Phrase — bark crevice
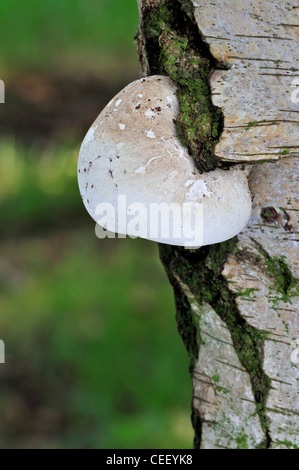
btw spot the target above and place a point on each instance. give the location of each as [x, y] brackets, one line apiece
[174, 47]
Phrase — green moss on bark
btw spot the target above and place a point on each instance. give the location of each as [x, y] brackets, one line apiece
[285, 286]
[174, 48]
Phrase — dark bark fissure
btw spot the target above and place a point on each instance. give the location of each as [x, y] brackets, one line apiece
[175, 48]
[201, 271]
[170, 44]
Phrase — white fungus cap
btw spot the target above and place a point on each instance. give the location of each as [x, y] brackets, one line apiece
[136, 177]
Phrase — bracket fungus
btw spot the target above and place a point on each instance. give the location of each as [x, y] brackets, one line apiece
[137, 178]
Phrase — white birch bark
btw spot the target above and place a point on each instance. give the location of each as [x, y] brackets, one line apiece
[259, 40]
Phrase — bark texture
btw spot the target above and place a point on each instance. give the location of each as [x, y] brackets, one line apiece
[237, 302]
[258, 41]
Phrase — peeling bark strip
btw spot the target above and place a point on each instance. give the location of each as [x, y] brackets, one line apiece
[264, 276]
[237, 302]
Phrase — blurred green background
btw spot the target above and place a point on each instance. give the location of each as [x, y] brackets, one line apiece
[93, 358]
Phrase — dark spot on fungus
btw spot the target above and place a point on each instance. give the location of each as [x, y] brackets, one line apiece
[84, 170]
[91, 186]
[88, 201]
[158, 108]
[86, 185]
[138, 106]
[90, 164]
[117, 156]
[111, 174]
[79, 170]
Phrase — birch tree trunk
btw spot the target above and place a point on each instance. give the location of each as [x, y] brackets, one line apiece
[236, 64]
